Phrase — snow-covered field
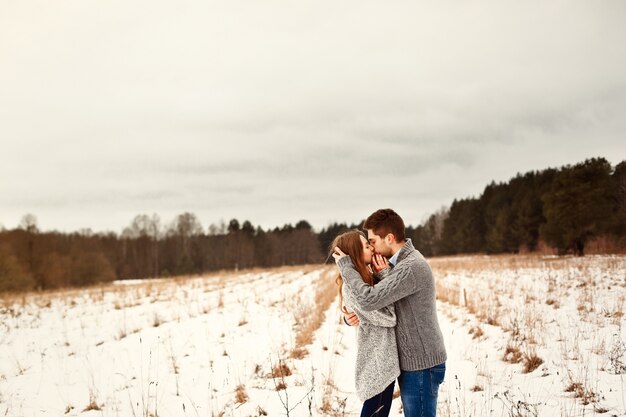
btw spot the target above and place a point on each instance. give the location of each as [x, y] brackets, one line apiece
[533, 336]
[271, 343]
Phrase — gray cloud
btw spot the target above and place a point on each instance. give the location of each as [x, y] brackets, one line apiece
[276, 112]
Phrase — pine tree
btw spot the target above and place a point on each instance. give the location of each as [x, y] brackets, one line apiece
[618, 180]
[463, 230]
[578, 205]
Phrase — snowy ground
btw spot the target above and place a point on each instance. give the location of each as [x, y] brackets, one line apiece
[271, 343]
[564, 315]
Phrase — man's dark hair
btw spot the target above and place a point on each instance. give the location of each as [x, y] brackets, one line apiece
[385, 221]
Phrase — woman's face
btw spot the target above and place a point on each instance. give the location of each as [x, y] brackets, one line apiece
[368, 251]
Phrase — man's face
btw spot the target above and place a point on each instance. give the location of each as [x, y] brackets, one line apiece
[380, 245]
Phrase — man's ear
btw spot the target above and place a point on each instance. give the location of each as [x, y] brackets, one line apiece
[390, 238]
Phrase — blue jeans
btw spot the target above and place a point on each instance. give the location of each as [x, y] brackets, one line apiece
[380, 404]
[419, 390]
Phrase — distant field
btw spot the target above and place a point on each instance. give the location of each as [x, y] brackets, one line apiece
[526, 336]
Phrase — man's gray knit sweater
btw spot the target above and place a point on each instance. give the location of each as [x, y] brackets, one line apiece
[411, 287]
[377, 363]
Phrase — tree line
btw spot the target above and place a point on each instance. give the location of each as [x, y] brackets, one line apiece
[30, 258]
[561, 208]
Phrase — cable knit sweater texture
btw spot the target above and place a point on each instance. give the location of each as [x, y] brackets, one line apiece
[410, 286]
[377, 363]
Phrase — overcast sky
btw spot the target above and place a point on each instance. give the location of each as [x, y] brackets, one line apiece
[277, 111]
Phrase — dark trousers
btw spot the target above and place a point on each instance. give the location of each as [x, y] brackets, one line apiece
[380, 404]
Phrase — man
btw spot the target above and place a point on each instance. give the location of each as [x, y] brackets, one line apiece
[407, 282]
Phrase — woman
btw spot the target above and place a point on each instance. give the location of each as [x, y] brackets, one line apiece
[377, 364]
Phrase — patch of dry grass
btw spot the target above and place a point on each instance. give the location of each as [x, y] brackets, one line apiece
[476, 332]
[241, 396]
[307, 322]
[531, 362]
[512, 354]
[586, 395]
[93, 404]
[280, 371]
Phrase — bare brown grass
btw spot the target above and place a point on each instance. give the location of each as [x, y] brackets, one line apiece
[281, 370]
[531, 362]
[512, 354]
[586, 395]
[476, 332]
[241, 396]
[308, 323]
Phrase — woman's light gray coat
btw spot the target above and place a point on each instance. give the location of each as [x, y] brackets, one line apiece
[377, 363]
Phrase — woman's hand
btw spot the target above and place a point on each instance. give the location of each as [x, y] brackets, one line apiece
[379, 262]
[350, 317]
[338, 253]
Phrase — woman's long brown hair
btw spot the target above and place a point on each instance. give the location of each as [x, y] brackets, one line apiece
[350, 243]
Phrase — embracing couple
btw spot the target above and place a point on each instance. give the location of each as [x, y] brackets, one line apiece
[387, 290]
